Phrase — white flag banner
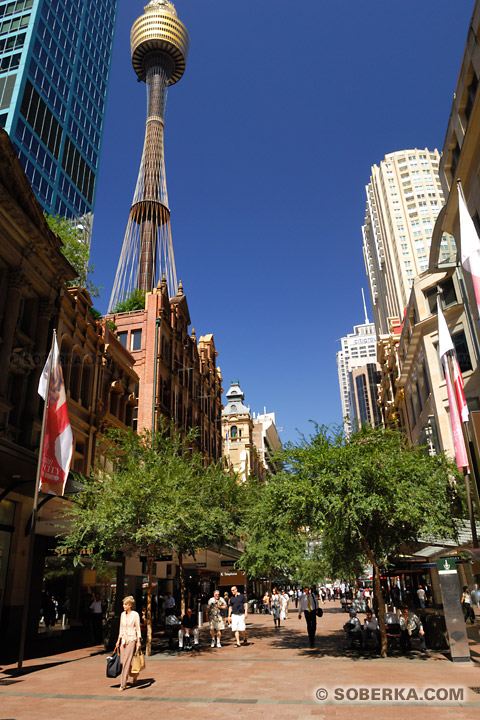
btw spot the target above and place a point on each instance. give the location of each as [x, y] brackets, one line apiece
[444, 338]
[469, 245]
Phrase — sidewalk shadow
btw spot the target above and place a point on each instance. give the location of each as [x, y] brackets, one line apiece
[334, 645]
[27, 669]
[143, 683]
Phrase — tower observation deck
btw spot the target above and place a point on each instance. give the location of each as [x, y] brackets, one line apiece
[159, 45]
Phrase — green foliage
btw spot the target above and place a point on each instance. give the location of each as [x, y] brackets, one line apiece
[135, 301]
[369, 494]
[96, 314]
[76, 251]
[159, 495]
[362, 497]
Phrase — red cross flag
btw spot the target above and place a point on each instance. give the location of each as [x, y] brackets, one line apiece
[58, 437]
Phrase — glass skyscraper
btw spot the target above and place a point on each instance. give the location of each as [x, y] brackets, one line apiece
[54, 67]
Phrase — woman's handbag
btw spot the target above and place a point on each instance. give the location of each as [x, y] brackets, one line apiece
[319, 612]
[138, 662]
[114, 666]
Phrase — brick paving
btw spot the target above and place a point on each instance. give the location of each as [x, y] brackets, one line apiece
[276, 673]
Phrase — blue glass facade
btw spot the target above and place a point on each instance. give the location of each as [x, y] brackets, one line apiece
[54, 68]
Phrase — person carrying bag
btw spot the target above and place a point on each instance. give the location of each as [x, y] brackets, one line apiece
[129, 641]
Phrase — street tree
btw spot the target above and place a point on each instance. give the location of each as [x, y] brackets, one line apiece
[364, 497]
[155, 493]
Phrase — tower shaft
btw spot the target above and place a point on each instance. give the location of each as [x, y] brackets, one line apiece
[152, 209]
[159, 49]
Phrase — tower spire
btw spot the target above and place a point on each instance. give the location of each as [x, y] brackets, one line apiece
[159, 46]
[365, 308]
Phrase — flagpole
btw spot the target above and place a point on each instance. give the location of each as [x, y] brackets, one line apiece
[466, 471]
[28, 579]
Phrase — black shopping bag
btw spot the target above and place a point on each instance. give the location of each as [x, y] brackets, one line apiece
[114, 666]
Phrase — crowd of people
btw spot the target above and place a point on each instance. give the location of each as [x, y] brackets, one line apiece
[231, 610]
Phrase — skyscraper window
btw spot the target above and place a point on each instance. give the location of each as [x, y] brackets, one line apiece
[54, 109]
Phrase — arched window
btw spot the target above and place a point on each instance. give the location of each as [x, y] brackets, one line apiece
[86, 382]
[233, 432]
[65, 359]
[76, 375]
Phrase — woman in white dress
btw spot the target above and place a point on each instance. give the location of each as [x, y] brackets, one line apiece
[129, 639]
[284, 599]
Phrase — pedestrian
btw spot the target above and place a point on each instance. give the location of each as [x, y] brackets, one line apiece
[366, 595]
[467, 606]
[298, 595]
[96, 610]
[237, 615]
[284, 600]
[169, 604]
[421, 596]
[410, 626]
[215, 606]
[476, 595]
[266, 603]
[308, 605]
[275, 607]
[129, 639]
[188, 627]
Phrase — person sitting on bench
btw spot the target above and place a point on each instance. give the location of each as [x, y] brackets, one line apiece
[371, 630]
[188, 625]
[353, 630]
[392, 622]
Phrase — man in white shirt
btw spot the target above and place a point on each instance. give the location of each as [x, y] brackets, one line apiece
[371, 630]
[421, 596]
[308, 605]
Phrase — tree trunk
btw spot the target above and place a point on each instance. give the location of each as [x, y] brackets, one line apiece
[380, 601]
[150, 561]
[183, 590]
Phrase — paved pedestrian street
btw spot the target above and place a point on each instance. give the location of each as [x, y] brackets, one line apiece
[275, 674]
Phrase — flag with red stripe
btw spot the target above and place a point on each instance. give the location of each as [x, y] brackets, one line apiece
[57, 448]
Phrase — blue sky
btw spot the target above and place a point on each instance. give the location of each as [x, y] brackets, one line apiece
[270, 136]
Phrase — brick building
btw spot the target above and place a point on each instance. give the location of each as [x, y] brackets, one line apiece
[178, 375]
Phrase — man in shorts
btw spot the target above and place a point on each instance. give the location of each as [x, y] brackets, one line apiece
[215, 606]
[237, 615]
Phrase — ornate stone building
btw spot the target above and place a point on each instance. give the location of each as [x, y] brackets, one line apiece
[237, 428]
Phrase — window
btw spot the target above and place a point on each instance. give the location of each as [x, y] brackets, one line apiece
[136, 340]
[448, 293]
[233, 432]
[122, 338]
[461, 348]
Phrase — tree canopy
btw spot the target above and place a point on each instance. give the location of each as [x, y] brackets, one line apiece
[156, 493]
[363, 497]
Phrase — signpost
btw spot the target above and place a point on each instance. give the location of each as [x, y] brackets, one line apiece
[454, 620]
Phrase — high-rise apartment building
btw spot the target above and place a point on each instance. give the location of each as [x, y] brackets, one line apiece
[54, 67]
[404, 197]
[358, 349]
